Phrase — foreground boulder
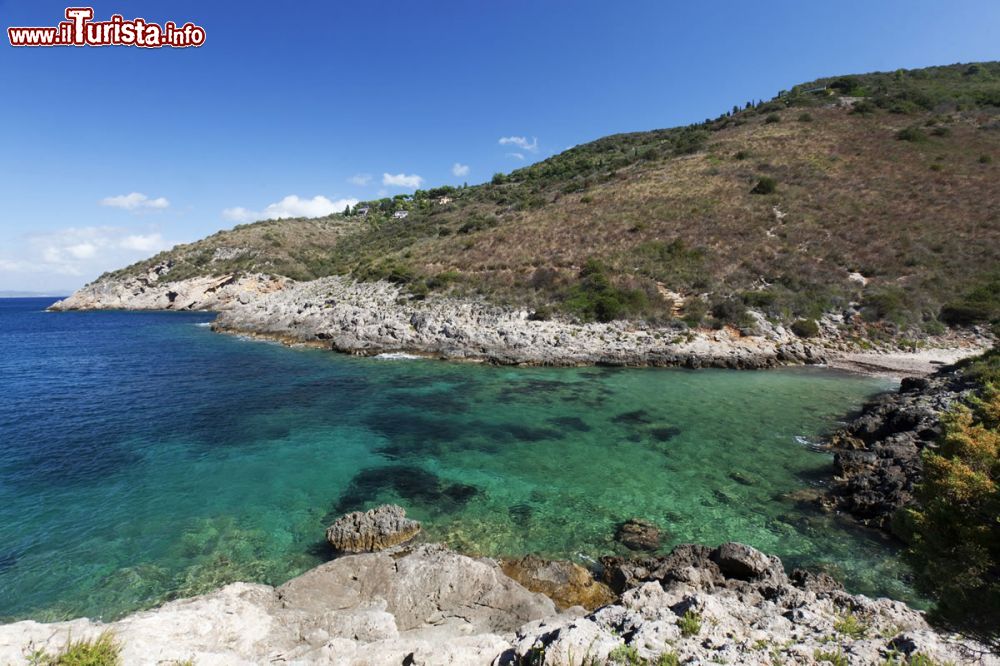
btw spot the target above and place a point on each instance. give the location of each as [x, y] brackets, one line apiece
[426, 606]
[566, 583]
[371, 531]
[429, 606]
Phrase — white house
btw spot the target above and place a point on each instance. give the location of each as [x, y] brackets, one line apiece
[361, 211]
[401, 214]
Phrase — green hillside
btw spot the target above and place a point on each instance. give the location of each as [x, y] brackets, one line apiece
[881, 190]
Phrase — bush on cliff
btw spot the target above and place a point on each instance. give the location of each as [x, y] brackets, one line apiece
[765, 185]
[596, 298]
[805, 328]
[955, 530]
[981, 305]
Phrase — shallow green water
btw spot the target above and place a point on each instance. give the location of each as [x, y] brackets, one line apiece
[168, 460]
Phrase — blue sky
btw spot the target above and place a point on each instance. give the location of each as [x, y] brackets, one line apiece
[291, 101]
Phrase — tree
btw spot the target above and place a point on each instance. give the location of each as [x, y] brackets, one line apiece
[954, 532]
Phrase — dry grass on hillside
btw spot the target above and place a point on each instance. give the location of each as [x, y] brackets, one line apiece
[903, 187]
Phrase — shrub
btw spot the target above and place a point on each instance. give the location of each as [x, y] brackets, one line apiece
[805, 328]
[850, 625]
[541, 313]
[741, 155]
[759, 299]
[941, 131]
[954, 534]
[765, 185]
[981, 305]
[885, 304]
[596, 298]
[667, 659]
[912, 134]
[695, 310]
[837, 658]
[805, 118]
[689, 141]
[443, 279]
[732, 311]
[863, 107]
[845, 85]
[105, 650]
[690, 624]
[772, 118]
[985, 159]
[625, 655]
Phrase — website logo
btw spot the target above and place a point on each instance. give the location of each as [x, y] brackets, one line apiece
[79, 29]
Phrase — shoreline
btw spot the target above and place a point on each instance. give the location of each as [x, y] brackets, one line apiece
[896, 365]
[367, 319]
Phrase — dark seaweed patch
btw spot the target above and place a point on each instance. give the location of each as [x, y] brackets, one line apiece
[572, 423]
[665, 434]
[449, 403]
[533, 388]
[516, 432]
[638, 417]
[521, 514]
[8, 560]
[412, 484]
[459, 492]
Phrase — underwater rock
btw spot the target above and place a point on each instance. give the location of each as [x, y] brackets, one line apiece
[371, 531]
[638, 534]
[741, 478]
[566, 583]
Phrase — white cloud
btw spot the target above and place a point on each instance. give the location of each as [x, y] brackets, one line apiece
[78, 252]
[135, 201]
[82, 250]
[143, 243]
[460, 170]
[516, 156]
[360, 179]
[290, 206]
[239, 214]
[521, 142]
[402, 180]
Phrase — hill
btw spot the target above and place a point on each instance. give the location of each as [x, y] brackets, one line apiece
[876, 196]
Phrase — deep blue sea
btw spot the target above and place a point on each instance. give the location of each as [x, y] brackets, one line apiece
[143, 458]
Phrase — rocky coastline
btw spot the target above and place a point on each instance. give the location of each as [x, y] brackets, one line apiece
[420, 603]
[877, 455]
[370, 318]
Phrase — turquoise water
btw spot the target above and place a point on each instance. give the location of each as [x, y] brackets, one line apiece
[143, 457]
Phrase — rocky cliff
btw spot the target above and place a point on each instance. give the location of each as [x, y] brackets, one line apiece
[378, 317]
